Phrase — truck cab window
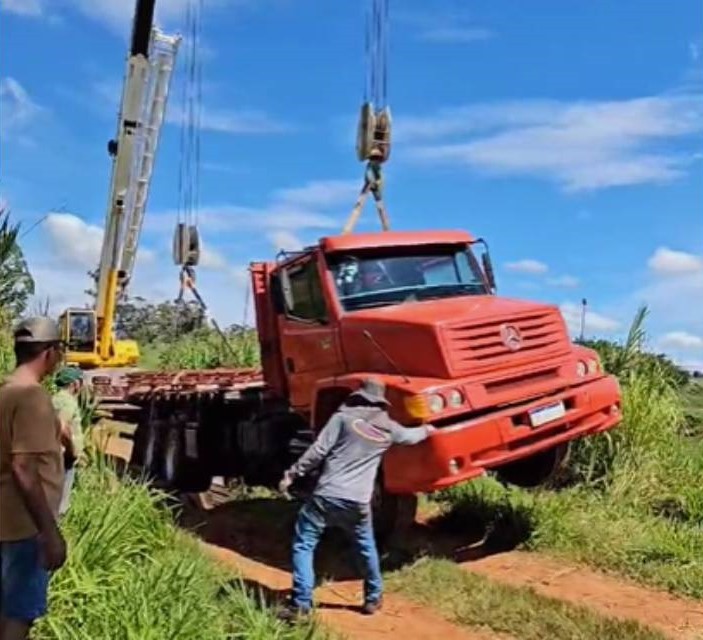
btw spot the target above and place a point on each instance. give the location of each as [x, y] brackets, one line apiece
[415, 274]
[307, 299]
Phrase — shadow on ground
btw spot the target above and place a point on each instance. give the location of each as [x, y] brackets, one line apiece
[261, 529]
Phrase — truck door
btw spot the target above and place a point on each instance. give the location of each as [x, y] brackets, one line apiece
[309, 340]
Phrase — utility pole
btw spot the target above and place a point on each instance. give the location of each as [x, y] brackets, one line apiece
[584, 305]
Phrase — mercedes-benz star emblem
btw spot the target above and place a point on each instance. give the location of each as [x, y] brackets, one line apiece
[511, 337]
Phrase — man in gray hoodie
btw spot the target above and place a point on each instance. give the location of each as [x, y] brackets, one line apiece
[349, 449]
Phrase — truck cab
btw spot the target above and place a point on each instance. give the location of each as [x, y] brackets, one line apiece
[498, 377]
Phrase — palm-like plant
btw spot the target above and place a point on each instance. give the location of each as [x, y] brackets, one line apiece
[16, 283]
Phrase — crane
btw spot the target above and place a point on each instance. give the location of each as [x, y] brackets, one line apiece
[90, 333]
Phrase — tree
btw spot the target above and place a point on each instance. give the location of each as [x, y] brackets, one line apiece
[16, 283]
[163, 322]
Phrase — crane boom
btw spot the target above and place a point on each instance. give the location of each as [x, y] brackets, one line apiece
[122, 148]
[149, 67]
[164, 49]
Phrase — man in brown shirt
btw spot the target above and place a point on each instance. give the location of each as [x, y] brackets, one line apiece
[31, 480]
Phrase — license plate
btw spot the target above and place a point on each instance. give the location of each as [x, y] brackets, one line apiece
[538, 417]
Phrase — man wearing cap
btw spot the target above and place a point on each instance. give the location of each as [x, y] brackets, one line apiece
[349, 450]
[68, 380]
[31, 480]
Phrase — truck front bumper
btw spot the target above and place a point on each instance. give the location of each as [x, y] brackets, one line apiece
[467, 449]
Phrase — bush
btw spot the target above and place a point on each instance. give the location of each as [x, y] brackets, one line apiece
[206, 349]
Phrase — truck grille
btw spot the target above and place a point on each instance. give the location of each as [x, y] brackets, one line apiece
[480, 345]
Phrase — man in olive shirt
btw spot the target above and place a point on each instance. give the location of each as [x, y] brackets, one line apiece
[31, 480]
[68, 381]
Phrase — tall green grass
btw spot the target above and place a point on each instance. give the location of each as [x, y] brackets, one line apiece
[206, 349]
[132, 575]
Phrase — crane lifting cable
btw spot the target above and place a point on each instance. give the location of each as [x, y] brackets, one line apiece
[186, 239]
[373, 141]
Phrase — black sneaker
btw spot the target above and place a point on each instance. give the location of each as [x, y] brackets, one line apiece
[370, 608]
[292, 614]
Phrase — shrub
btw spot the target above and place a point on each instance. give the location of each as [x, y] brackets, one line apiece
[206, 349]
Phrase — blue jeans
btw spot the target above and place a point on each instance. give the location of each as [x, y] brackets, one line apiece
[355, 519]
[23, 581]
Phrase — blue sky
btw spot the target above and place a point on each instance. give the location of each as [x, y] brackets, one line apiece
[569, 134]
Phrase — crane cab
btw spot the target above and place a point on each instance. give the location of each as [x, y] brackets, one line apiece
[79, 331]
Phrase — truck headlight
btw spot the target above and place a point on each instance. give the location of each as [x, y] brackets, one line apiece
[455, 399]
[435, 402]
[593, 366]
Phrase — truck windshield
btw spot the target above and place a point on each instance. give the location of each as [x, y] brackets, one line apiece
[372, 280]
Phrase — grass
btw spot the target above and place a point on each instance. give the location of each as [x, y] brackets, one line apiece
[692, 401]
[204, 349]
[132, 575]
[473, 601]
[636, 508]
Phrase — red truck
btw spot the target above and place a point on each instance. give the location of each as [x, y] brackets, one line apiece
[499, 378]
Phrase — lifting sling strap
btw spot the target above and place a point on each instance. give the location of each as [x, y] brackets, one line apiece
[373, 183]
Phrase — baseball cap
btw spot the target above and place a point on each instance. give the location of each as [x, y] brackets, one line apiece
[39, 329]
[372, 390]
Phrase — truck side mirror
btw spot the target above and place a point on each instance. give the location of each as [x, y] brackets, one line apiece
[488, 270]
[286, 289]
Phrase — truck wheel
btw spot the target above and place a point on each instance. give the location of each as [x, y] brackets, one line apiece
[539, 470]
[180, 473]
[392, 513]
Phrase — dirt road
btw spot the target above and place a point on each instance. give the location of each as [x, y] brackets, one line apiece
[252, 535]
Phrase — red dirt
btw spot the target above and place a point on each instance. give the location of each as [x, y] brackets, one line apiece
[260, 529]
[614, 597]
[336, 602]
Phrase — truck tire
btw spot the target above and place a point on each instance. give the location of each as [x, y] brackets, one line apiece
[392, 513]
[180, 473]
[146, 456]
[539, 470]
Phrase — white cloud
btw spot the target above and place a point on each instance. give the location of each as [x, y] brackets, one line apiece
[213, 119]
[31, 8]
[320, 193]
[116, 15]
[534, 267]
[565, 281]
[226, 217]
[666, 261]
[681, 340]
[234, 122]
[579, 145]
[286, 240]
[77, 243]
[595, 322]
[290, 209]
[444, 26]
[18, 109]
[212, 259]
